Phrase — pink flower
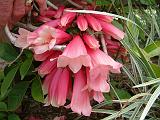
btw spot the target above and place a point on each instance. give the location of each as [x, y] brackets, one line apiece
[80, 102]
[43, 19]
[43, 56]
[21, 41]
[101, 65]
[93, 23]
[91, 41]
[47, 81]
[45, 37]
[75, 55]
[50, 13]
[82, 23]
[42, 5]
[59, 12]
[34, 118]
[48, 65]
[98, 96]
[53, 23]
[104, 18]
[60, 118]
[109, 29]
[58, 88]
[67, 18]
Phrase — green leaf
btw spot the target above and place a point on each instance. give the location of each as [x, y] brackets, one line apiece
[13, 117]
[3, 106]
[8, 80]
[16, 95]
[153, 49]
[7, 52]
[2, 115]
[150, 103]
[25, 67]
[147, 2]
[37, 92]
[156, 69]
[1, 75]
[123, 94]
[123, 111]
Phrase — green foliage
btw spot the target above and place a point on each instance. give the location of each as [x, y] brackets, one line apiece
[8, 79]
[25, 67]
[7, 52]
[16, 95]
[13, 117]
[37, 92]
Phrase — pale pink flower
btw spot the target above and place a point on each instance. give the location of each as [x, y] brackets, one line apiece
[60, 118]
[47, 81]
[48, 65]
[97, 79]
[82, 23]
[110, 29]
[43, 56]
[75, 55]
[91, 41]
[105, 18]
[101, 65]
[98, 96]
[21, 40]
[80, 102]
[58, 88]
[93, 22]
[45, 38]
[67, 18]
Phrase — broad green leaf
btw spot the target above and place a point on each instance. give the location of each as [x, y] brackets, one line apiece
[25, 67]
[16, 95]
[2, 115]
[13, 117]
[3, 106]
[8, 80]
[1, 75]
[7, 52]
[37, 92]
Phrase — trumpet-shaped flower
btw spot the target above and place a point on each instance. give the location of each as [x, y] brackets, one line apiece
[101, 65]
[91, 41]
[45, 38]
[104, 18]
[110, 29]
[75, 55]
[21, 40]
[48, 65]
[80, 102]
[93, 23]
[67, 18]
[82, 23]
[58, 88]
[43, 56]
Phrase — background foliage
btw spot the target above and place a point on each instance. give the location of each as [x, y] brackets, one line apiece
[135, 95]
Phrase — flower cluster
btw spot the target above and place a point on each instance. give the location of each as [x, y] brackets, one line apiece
[80, 72]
